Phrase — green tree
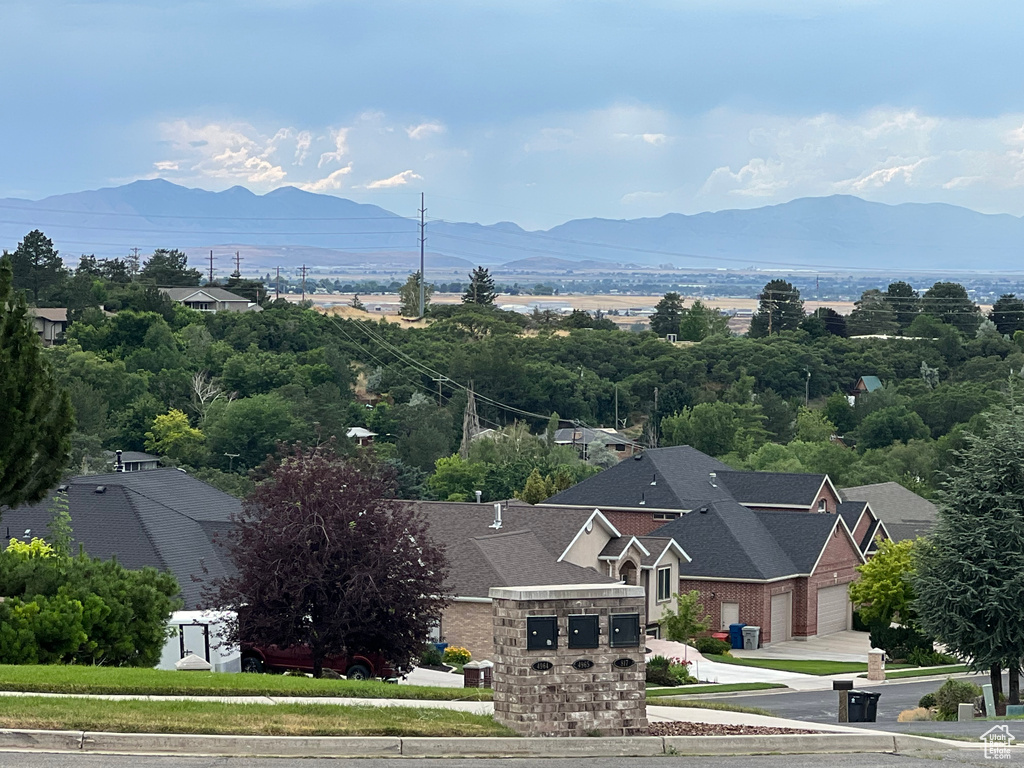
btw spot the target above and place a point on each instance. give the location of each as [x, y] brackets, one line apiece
[831, 321]
[35, 413]
[1008, 314]
[409, 296]
[904, 301]
[455, 479]
[37, 267]
[813, 426]
[716, 428]
[537, 488]
[780, 308]
[950, 304]
[839, 411]
[250, 428]
[968, 583]
[480, 289]
[169, 268]
[701, 321]
[884, 593]
[890, 425]
[685, 622]
[172, 435]
[872, 314]
[668, 313]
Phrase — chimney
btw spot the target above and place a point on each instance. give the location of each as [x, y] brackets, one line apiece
[120, 465]
[496, 525]
[479, 495]
[711, 479]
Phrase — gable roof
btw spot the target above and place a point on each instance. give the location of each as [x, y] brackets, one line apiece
[161, 518]
[904, 514]
[53, 314]
[871, 383]
[851, 512]
[659, 478]
[480, 557]
[187, 293]
[782, 488]
[587, 435]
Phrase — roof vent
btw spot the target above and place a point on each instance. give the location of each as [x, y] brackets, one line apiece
[101, 489]
[63, 488]
[711, 479]
[496, 525]
[703, 510]
[479, 496]
[643, 501]
[638, 457]
[654, 479]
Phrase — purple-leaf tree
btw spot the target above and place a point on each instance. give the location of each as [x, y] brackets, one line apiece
[326, 559]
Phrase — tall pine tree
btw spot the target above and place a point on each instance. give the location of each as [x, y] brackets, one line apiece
[36, 419]
[970, 573]
[36, 265]
[480, 289]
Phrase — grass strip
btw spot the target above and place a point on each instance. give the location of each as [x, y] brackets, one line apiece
[798, 666]
[204, 717]
[718, 706]
[54, 678]
[689, 690]
[928, 672]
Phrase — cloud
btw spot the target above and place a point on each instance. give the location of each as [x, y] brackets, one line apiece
[166, 165]
[398, 180]
[423, 130]
[330, 183]
[340, 137]
[222, 151]
[303, 141]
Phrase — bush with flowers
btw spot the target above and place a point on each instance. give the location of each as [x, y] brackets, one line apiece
[455, 654]
[669, 671]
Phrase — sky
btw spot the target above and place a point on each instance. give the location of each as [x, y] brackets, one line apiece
[520, 110]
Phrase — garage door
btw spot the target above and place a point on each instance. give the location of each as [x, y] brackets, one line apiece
[833, 609]
[780, 617]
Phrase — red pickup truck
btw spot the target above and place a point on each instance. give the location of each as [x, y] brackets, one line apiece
[355, 667]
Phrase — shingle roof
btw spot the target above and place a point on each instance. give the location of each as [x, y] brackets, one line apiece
[851, 511]
[53, 314]
[218, 294]
[586, 435]
[871, 383]
[656, 545]
[661, 478]
[905, 514]
[729, 541]
[480, 557]
[162, 518]
[772, 487]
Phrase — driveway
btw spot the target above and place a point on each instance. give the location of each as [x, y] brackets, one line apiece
[839, 646]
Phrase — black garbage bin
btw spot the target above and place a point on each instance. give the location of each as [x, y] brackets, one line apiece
[863, 706]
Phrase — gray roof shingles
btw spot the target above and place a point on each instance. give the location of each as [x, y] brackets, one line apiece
[784, 488]
[905, 514]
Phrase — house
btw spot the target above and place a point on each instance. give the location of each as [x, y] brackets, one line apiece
[49, 322]
[361, 435]
[162, 518]
[580, 438]
[771, 549]
[210, 299]
[132, 461]
[524, 545]
[866, 384]
[904, 514]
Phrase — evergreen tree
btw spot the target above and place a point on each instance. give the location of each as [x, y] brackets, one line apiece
[949, 303]
[1008, 314]
[356, 303]
[667, 314]
[872, 314]
[780, 308]
[968, 584]
[37, 268]
[904, 301]
[36, 419]
[480, 289]
[409, 296]
[169, 268]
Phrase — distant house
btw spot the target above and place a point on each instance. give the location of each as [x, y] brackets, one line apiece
[580, 438]
[133, 461]
[49, 322]
[210, 299]
[362, 436]
[866, 384]
[776, 550]
[904, 514]
[163, 518]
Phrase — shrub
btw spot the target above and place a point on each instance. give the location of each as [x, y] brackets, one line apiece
[657, 672]
[925, 658]
[914, 715]
[455, 654]
[712, 646]
[679, 670]
[927, 701]
[899, 642]
[951, 695]
[430, 656]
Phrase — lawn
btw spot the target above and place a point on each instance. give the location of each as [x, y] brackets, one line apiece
[800, 666]
[690, 690]
[38, 712]
[719, 706]
[955, 669]
[53, 678]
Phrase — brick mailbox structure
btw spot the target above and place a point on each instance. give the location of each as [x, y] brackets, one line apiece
[569, 660]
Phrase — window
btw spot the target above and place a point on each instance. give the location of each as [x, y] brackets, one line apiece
[822, 505]
[664, 584]
[666, 515]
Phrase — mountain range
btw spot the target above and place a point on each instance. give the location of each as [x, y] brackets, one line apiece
[288, 227]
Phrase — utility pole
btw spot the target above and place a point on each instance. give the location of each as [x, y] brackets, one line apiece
[238, 266]
[654, 426]
[807, 390]
[303, 270]
[423, 242]
[616, 407]
[277, 285]
[133, 263]
[209, 277]
[439, 380]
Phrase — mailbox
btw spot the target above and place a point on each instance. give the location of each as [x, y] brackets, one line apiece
[541, 633]
[583, 631]
[625, 630]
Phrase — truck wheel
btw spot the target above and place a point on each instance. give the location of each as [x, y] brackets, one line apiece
[252, 664]
[358, 672]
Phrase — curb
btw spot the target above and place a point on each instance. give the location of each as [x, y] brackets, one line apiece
[412, 747]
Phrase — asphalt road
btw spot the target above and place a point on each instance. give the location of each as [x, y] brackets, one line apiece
[35, 760]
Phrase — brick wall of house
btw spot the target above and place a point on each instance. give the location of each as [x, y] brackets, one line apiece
[863, 525]
[469, 625]
[837, 566]
[831, 501]
[752, 597]
[639, 523]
